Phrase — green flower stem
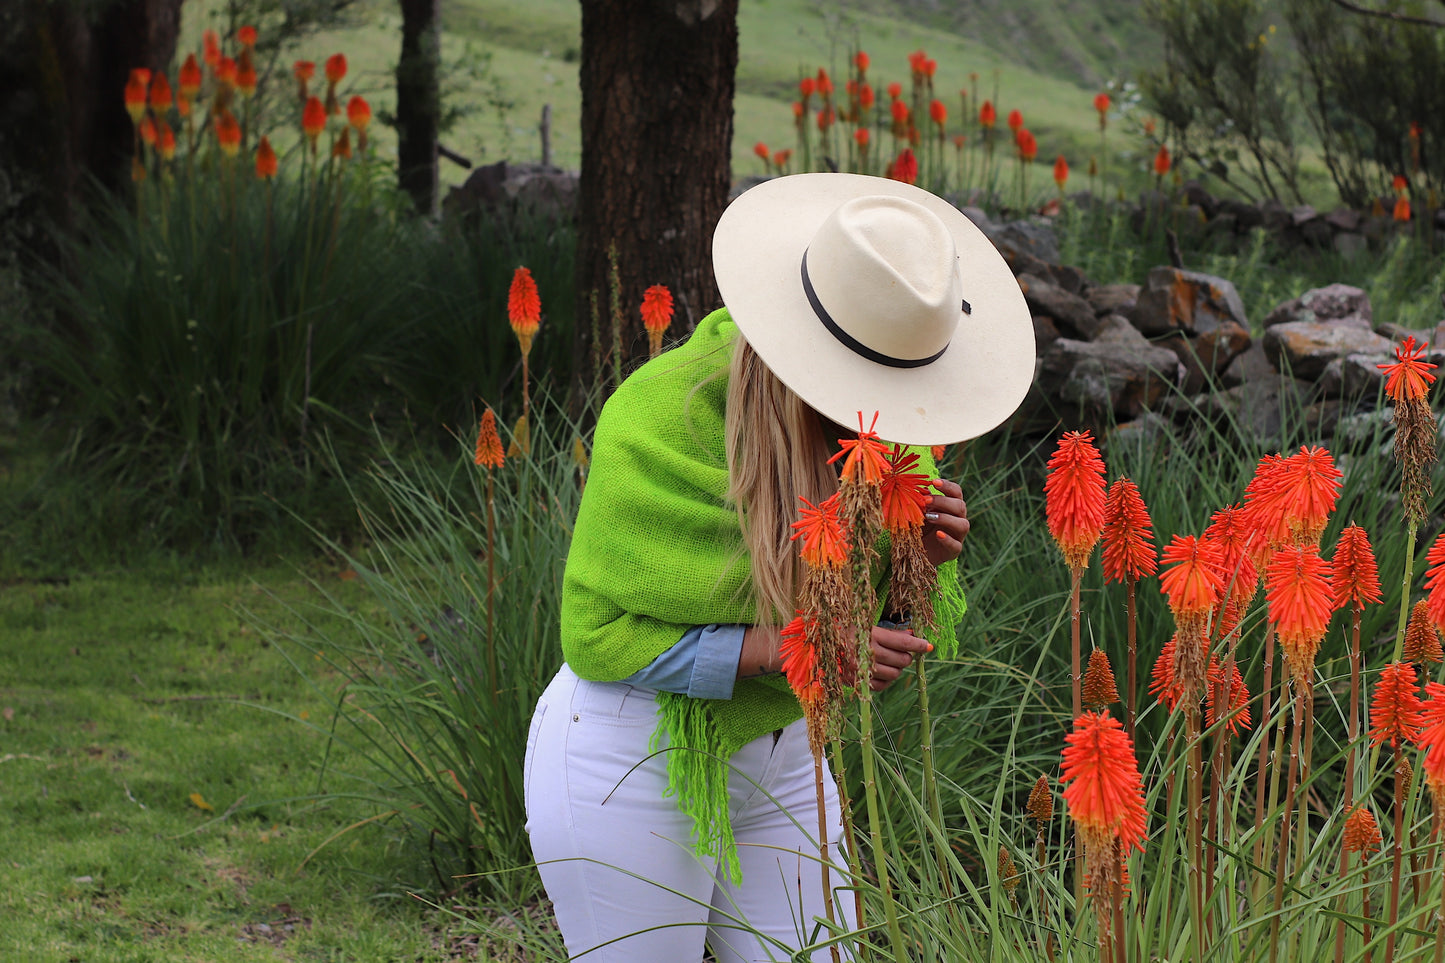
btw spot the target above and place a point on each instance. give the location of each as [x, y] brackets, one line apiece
[850, 839]
[1405, 582]
[880, 855]
[930, 785]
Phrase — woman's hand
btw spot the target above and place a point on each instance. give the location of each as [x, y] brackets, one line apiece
[945, 523]
[893, 651]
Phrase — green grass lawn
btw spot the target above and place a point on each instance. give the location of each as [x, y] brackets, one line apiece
[151, 758]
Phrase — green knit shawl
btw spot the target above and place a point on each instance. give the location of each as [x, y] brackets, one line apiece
[657, 550]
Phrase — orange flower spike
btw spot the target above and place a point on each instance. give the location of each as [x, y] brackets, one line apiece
[1238, 698]
[161, 96]
[656, 309]
[246, 36]
[905, 492]
[1422, 642]
[1395, 712]
[267, 164]
[987, 116]
[862, 136]
[895, 90]
[938, 113]
[806, 86]
[825, 83]
[861, 61]
[780, 160]
[1041, 802]
[189, 78]
[1194, 584]
[1015, 120]
[1102, 104]
[1355, 579]
[303, 71]
[761, 150]
[246, 75]
[1129, 553]
[1099, 688]
[1074, 497]
[1301, 600]
[800, 661]
[165, 141]
[1229, 530]
[136, 90]
[226, 72]
[825, 538]
[1028, 145]
[1435, 582]
[211, 48]
[1309, 488]
[524, 308]
[489, 443]
[899, 110]
[1162, 683]
[1061, 171]
[342, 147]
[1432, 731]
[866, 97]
[1362, 832]
[864, 456]
[335, 68]
[313, 120]
[1264, 508]
[148, 131]
[1409, 377]
[1161, 161]
[905, 167]
[228, 133]
[1102, 785]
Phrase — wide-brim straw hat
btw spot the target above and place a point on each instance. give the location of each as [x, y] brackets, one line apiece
[867, 294]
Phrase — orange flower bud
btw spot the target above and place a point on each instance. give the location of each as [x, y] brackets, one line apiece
[335, 68]
[313, 120]
[189, 78]
[1015, 120]
[358, 113]
[1061, 171]
[246, 37]
[266, 163]
[228, 133]
[165, 140]
[136, 90]
[161, 97]
[987, 116]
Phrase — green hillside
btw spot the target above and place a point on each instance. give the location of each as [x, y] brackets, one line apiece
[506, 60]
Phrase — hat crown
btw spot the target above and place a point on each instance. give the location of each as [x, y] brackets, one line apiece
[885, 270]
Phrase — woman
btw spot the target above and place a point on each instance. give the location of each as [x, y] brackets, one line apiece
[844, 293]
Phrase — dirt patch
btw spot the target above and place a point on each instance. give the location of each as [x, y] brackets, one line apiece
[505, 935]
[277, 930]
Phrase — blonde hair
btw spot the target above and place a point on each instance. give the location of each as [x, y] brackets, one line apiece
[776, 452]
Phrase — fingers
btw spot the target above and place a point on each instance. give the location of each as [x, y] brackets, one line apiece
[945, 522]
[893, 652]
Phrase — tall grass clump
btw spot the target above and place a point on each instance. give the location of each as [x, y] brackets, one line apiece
[433, 684]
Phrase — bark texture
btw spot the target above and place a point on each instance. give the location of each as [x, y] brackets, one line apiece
[657, 82]
[418, 101]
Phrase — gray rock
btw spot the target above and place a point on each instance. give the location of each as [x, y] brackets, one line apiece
[1123, 379]
[1045, 332]
[1276, 216]
[1335, 302]
[1206, 356]
[1252, 365]
[1149, 432]
[1246, 215]
[548, 192]
[1188, 301]
[1197, 196]
[1116, 329]
[1113, 298]
[1034, 237]
[1317, 234]
[1350, 245]
[978, 217]
[1071, 279]
[1305, 348]
[1070, 311]
[1302, 215]
[1344, 219]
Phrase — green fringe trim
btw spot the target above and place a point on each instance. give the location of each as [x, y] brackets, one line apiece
[949, 605]
[697, 775]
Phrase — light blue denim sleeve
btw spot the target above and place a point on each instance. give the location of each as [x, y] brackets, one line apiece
[703, 664]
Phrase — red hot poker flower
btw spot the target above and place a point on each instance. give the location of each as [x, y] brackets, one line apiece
[800, 661]
[1099, 688]
[1074, 497]
[1301, 600]
[1028, 145]
[1015, 120]
[987, 116]
[1432, 729]
[1409, 377]
[211, 48]
[1101, 104]
[1395, 711]
[1162, 683]
[246, 36]
[135, 94]
[161, 95]
[656, 311]
[1362, 833]
[1402, 209]
[1228, 530]
[1129, 552]
[905, 168]
[1194, 584]
[1161, 161]
[1103, 788]
[1422, 642]
[1310, 486]
[1238, 707]
[1435, 582]
[524, 307]
[313, 120]
[1061, 171]
[1355, 579]
[489, 443]
[904, 491]
[825, 538]
[228, 133]
[358, 113]
[335, 68]
[267, 165]
[864, 456]
[938, 113]
[189, 78]
[861, 61]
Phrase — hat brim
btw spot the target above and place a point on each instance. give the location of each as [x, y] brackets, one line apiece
[978, 381]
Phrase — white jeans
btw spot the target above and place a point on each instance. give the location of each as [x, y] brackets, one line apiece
[616, 855]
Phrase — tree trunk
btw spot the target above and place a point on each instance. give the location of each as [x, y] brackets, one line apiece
[418, 101]
[657, 80]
